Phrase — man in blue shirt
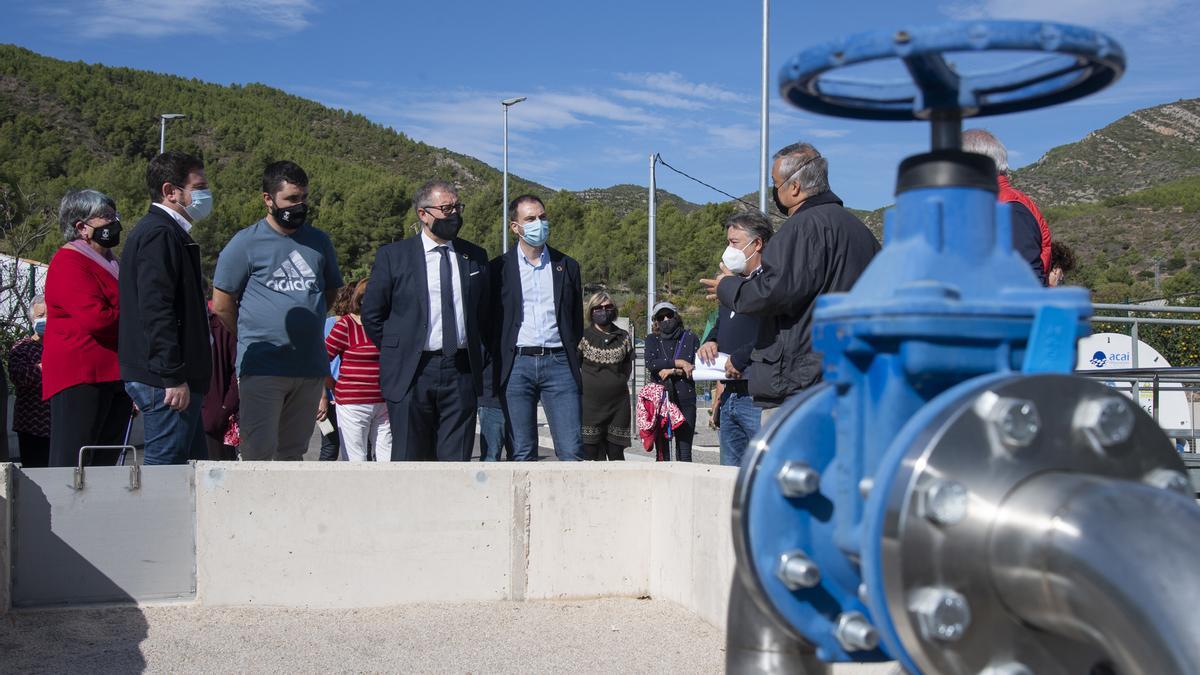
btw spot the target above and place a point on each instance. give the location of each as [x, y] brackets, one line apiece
[539, 298]
[271, 288]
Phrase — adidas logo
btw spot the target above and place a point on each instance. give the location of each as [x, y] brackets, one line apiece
[293, 275]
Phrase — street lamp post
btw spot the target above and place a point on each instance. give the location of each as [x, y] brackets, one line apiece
[507, 103]
[162, 130]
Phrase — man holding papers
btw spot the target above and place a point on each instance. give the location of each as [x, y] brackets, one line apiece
[732, 339]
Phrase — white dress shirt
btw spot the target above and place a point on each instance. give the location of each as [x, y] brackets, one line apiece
[539, 320]
[433, 276]
[183, 222]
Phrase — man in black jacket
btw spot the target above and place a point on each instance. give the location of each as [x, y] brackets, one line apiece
[426, 308]
[163, 348]
[735, 335]
[538, 298]
[821, 248]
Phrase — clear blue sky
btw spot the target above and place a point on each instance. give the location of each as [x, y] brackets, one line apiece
[608, 82]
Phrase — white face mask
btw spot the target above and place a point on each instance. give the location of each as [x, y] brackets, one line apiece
[201, 206]
[735, 259]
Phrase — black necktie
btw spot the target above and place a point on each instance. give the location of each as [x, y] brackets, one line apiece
[449, 324]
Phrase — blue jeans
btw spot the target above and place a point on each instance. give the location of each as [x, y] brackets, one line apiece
[740, 421]
[172, 437]
[493, 434]
[546, 378]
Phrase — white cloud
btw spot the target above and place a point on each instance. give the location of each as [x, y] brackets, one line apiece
[734, 137]
[674, 83]
[1085, 12]
[161, 18]
[657, 99]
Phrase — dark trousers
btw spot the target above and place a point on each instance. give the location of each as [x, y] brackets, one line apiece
[683, 437]
[219, 452]
[331, 444]
[602, 452]
[88, 414]
[436, 418]
[35, 450]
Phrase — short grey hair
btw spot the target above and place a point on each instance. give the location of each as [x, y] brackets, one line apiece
[802, 163]
[421, 198]
[753, 223]
[983, 142]
[37, 300]
[83, 205]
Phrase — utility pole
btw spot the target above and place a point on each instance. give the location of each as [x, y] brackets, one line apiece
[762, 140]
[650, 263]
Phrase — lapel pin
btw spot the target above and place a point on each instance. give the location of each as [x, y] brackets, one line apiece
[560, 268]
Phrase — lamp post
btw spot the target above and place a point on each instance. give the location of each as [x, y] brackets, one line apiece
[507, 103]
[162, 130]
[762, 131]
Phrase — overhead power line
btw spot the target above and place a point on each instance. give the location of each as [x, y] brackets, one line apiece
[710, 187]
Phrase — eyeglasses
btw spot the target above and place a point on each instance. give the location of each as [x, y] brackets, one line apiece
[665, 315]
[448, 209]
[604, 307]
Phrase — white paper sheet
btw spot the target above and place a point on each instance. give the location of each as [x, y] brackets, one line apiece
[708, 373]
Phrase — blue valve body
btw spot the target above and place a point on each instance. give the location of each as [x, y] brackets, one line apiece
[947, 300]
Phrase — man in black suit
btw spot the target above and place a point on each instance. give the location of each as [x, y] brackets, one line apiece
[539, 297]
[425, 308]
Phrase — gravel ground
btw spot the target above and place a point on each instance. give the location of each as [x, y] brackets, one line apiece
[594, 636]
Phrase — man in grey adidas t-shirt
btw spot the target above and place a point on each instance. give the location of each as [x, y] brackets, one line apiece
[271, 288]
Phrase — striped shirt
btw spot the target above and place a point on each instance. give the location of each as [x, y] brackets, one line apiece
[358, 377]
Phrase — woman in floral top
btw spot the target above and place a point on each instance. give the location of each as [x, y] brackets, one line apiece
[606, 361]
[31, 415]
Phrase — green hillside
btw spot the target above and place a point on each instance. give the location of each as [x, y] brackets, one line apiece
[1143, 149]
[1125, 197]
[74, 125]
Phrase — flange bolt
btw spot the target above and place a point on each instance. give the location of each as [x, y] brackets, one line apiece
[1169, 479]
[855, 633]
[1108, 420]
[942, 614]
[797, 571]
[945, 502]
[797, 479]
[1016, 421]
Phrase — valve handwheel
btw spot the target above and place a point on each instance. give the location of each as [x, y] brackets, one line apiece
[1068, 62]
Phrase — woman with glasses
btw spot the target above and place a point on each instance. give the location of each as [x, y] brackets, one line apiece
[606, 362]
[80, 375]
[670, 355]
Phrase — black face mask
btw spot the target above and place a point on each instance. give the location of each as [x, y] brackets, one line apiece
[668, 326]
[292, 217]
[109, 235]
[603, 317]
[778, 204]
[446, 228]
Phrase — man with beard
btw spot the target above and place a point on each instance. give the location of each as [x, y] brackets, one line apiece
[425, 308]
[273, 283]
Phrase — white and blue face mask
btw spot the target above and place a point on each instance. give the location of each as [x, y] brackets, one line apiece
[39, 326]
[537, 232]
[201, 206]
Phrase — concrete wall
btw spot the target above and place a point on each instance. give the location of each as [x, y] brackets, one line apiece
[6, 492]
[344, 535]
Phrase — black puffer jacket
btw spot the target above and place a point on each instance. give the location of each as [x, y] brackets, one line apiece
[821, 248]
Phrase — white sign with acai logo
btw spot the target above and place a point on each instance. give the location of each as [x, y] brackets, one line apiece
[1113, 351]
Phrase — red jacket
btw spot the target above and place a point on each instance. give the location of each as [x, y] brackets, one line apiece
[80, 345]
[1008, 193]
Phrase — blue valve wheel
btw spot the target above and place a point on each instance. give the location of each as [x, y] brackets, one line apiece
[1068, 62]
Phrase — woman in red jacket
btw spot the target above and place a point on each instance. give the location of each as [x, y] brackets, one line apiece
[80, 376]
